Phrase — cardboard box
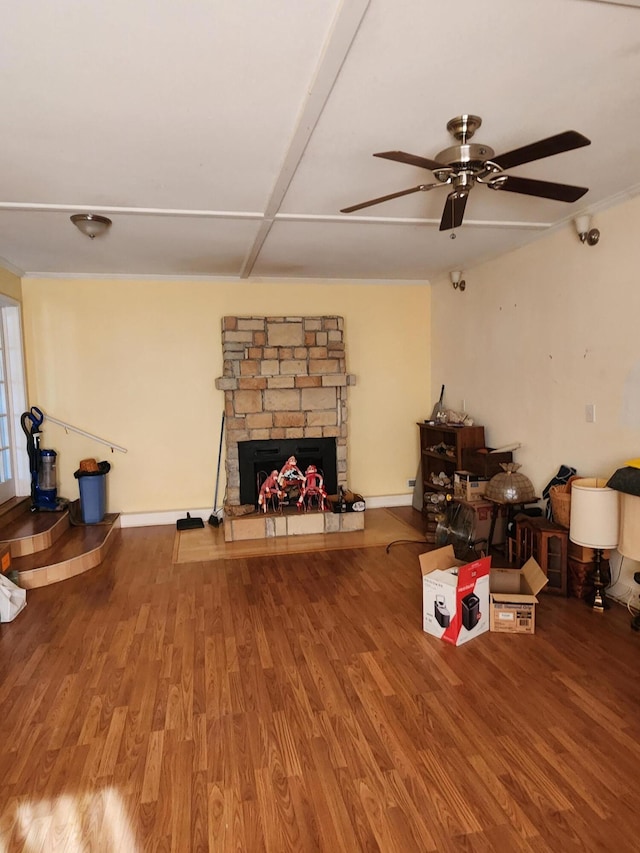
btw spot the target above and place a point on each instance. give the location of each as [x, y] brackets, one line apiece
[455, 596]
[512, 606]
[5, 559]
[469, 487]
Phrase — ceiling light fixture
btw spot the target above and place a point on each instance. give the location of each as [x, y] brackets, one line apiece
[91, 224]
[457, 281]
[586, 233]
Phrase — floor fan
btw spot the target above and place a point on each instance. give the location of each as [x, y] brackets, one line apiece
[455, 527]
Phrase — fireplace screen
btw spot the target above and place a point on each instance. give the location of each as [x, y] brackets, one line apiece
[257, 459]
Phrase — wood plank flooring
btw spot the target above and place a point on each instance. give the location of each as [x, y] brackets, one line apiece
[293, 703]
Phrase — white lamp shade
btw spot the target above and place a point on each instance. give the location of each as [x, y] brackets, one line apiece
[595, 514]
[629, 545]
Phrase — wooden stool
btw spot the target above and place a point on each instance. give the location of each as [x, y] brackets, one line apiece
[547, 543]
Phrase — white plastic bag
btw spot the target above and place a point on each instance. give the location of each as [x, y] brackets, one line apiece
[12, 599]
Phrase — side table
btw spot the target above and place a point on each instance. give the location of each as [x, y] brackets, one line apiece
[512, 510]
[547, 543]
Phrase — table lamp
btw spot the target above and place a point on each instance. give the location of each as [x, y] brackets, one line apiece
[629, 544]
[594, 523]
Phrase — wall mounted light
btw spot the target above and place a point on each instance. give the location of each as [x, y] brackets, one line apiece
[457, 281]
[91, 224]
[586, 233]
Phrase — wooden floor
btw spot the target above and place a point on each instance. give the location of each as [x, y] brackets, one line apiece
[293, 703]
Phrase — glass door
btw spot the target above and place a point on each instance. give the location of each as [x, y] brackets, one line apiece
[14, 463]
[7, 482]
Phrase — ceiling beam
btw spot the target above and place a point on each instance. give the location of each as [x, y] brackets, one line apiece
[336, 49]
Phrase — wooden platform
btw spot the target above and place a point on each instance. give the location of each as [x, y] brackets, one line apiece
[48, 547]
[379, 527]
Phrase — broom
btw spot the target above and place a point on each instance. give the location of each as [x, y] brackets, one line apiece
[214, 521]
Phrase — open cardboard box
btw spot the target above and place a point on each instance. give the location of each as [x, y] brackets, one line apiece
[455, 596]
[512, 605]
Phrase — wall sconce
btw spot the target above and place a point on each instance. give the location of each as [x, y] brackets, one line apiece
[457, 281]
[586, 233]
[91, 224]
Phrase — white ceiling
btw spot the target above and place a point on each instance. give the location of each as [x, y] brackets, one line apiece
[223, 137]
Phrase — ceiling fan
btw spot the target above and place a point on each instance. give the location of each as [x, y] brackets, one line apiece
[463, 165]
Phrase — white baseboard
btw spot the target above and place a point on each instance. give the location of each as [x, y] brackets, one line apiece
[388, 500]
[151, 519]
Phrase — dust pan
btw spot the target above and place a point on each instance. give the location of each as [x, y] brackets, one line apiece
[189, 523]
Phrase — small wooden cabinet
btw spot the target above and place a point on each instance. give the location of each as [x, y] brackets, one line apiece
[547, 543]
[441, 447]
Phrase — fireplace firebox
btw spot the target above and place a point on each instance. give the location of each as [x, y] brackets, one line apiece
[258, 458]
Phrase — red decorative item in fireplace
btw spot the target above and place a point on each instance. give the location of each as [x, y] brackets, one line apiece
[270, 493]
[313, 490]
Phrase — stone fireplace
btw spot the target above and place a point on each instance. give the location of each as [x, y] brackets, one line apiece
[284, 378]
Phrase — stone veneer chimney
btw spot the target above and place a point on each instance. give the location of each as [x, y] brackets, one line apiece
[283, 377]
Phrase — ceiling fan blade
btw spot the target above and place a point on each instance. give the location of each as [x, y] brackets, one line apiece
[542, 189]
[423, 187]
[566, 141]
[412, 160]
[453, 210]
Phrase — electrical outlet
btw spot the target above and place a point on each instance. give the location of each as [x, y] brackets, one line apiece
[590, 413]
[411, 483]
[622, 593]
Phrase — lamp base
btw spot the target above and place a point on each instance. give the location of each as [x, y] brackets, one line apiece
[597, 600]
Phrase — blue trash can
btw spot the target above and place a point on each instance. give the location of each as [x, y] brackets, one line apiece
[93, 493]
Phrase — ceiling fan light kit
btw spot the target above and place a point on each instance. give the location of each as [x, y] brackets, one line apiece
[586, 233]
[463, 165]
[91, 224]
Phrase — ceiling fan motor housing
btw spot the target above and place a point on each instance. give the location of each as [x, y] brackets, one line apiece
[470, 158]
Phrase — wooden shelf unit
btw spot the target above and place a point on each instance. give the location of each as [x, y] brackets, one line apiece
[457, 439]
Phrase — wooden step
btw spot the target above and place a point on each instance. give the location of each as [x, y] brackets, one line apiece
[30, 532]
[77, 550]
[13, 508]
[47, 547]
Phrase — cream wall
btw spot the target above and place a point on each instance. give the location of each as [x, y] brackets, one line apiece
[542, 332]
[10, 285]
[135, 362]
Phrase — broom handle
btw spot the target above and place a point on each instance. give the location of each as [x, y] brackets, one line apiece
[215, 498]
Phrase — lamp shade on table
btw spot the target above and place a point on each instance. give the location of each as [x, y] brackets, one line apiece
[629, 544]
[595, 514]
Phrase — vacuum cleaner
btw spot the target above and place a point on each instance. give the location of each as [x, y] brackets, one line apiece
[42, 466]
